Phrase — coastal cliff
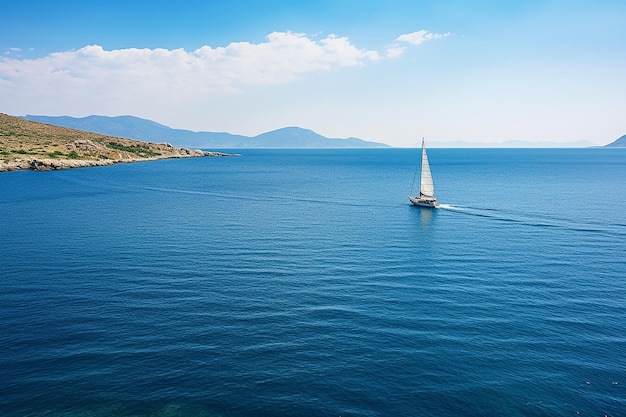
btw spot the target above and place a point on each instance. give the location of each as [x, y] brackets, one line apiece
[38, 146]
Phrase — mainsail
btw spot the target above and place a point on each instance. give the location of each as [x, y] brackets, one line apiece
[426, 183]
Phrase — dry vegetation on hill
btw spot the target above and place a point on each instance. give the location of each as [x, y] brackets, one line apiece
[31, 145]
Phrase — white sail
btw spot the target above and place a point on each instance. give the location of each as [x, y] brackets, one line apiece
[426, 184]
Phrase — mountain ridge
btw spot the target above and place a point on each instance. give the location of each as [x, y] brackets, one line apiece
[147, 130]
[618, 143]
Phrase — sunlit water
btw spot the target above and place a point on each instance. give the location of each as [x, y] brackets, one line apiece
[303, 283]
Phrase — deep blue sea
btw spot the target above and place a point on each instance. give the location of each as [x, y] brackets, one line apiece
[303, 283]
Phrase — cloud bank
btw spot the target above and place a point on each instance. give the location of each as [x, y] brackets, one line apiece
[421, 36]
[92, 72]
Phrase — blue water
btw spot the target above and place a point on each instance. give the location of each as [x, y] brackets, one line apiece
[302, 283]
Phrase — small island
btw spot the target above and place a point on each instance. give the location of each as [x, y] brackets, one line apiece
[38, 146]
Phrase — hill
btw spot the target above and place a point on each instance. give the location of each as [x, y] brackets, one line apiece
[619, 143]
[26, 144]
[296, 137]
[142, 129]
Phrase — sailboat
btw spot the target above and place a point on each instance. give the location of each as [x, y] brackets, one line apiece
[426, 198]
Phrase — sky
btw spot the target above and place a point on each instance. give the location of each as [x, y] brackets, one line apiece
[392, 71]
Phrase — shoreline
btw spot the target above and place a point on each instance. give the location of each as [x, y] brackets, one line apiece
[53, 164]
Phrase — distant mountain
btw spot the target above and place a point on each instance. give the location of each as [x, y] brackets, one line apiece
[619, 143]
[295, 137]
[146, 130]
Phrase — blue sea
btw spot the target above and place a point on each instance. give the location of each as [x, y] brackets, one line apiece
[303, 283]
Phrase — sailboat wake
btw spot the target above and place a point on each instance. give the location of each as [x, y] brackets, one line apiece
[537, 220]
[451, 207]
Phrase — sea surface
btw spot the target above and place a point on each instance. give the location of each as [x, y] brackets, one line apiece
[303, 283]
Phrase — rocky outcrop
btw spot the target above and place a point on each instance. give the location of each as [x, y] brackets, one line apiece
[50, 164]
[86, 146]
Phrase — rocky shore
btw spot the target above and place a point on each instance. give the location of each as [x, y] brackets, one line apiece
[26, 145]
[49, 164]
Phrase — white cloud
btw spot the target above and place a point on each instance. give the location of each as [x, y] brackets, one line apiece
[284, 57]
[10, 50]
[97, 80]
[421, 36]
[414, 38]
[394, 51]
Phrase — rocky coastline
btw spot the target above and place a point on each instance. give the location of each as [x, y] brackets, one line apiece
[27, 145]
[50, 164]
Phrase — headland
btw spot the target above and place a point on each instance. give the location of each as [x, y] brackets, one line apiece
[38, 146]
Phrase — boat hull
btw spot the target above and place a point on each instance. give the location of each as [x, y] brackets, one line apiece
[424, 202]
